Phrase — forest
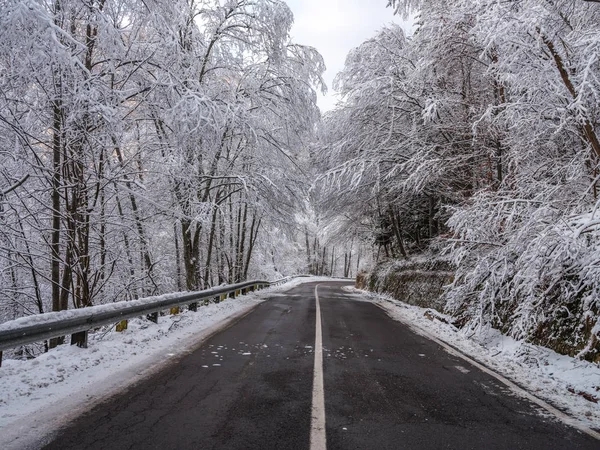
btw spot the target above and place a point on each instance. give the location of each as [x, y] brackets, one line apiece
[144, 146]
[149, 147]
[476, 140]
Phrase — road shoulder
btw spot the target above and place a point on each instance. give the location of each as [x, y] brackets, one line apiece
[554, 382]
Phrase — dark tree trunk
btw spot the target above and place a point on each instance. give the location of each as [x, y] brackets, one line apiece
[177, 258]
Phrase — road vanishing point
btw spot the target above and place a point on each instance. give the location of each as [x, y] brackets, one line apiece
[318, 367]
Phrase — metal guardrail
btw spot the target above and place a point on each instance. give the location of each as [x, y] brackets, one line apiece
[286, 279]
[54, 325]
[79, 326]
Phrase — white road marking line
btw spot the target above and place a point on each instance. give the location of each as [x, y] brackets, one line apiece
[318, 440]
[517, 389]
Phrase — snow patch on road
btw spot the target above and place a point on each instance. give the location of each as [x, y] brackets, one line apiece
[570, 384]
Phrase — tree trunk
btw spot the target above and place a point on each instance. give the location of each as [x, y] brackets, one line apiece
[587, 130]
[254, 228]
[398, 232]
[211, 240]
[308, 258]
[56, 208]
[145, 252]
[126, 245]
[332, 268]
[190, 254]
[177, 258]
[347, 263]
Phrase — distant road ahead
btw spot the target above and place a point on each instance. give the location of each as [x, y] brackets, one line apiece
[251, 387]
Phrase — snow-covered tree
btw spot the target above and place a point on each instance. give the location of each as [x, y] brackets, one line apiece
[144, 145]
[483, 126]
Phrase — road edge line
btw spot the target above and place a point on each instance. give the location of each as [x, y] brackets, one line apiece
[563, 417]
[318, 437]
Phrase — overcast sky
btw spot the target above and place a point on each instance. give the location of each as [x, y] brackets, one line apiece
[334, 27]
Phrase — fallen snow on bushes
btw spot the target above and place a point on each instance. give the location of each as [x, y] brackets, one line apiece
[570, 384]
[38, 395]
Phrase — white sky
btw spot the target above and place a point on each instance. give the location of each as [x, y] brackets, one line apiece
[334, 27]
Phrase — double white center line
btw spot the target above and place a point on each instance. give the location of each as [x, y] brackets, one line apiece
[318, 440]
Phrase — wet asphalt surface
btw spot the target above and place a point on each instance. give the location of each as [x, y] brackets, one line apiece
[250, 387]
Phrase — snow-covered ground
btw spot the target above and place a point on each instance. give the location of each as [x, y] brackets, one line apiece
[569, 384]
[37, 396]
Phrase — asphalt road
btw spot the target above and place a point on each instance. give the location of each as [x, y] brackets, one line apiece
[250, 387]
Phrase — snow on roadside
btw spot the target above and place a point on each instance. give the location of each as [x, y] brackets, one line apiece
[28, 385]
[38, 395]
[570, 384]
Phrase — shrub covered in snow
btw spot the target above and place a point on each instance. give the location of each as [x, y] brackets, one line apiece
[531, 272]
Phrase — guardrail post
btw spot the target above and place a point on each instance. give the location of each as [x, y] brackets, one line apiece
[122, 326]
[80, 339]
[53, 342]
[193, 307]
[0, 359]
[153, 317]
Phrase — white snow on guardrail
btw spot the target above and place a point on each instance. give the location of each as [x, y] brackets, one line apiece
[39, 319]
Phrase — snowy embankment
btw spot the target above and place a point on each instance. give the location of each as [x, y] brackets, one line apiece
[38, 395]
[570, 384]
